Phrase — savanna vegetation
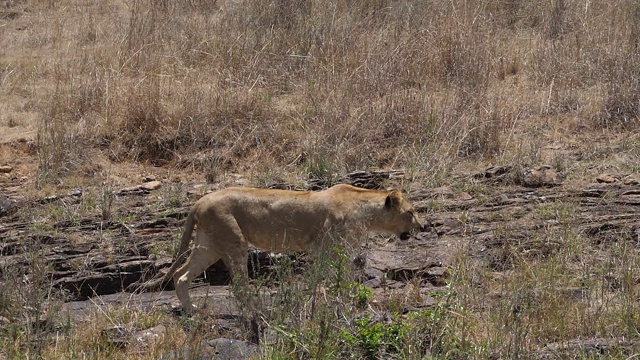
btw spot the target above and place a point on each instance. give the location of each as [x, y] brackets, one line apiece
[281, 91]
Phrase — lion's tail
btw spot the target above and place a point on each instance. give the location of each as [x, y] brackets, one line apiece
[179, 258]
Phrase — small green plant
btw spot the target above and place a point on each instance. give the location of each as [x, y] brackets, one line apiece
[361, 295]
[370, 336]
[338, 264]
[375, 338]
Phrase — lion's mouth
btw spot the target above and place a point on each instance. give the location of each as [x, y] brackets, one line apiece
[405, 236]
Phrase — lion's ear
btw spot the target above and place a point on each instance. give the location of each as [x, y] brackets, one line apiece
[393, 199]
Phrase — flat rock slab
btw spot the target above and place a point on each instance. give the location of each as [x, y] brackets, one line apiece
[229, 349]
[216, 349]
[588, 348]
[217, 297]
[401, 260]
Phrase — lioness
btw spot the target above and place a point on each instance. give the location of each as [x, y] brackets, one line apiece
[282, 220]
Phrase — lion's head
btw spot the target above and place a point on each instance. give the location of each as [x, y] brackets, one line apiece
[400, 218]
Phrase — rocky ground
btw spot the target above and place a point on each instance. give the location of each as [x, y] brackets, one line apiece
[93, 258]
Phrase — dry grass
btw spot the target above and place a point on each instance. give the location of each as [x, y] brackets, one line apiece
[316, 87]
[284, 90]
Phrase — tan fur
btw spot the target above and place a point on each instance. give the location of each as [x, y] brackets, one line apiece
[228, 220]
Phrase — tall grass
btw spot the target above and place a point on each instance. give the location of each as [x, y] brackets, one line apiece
[349, 85]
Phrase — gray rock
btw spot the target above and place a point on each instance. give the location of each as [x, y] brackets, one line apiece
[607, 178]
[373, 283]
[216, 349]
[373, 273]
[151, 185]
[118, 336]
[587, 348]
[8, 206]
[6, 169]
[540, 176]
[148, 336]
[228, 349]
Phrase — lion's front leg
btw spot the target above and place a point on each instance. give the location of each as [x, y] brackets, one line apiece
[236, 262]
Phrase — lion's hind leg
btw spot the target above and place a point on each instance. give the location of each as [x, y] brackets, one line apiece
[202, 256]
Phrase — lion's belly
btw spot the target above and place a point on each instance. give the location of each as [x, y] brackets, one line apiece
[279, 232]
[282, 241]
